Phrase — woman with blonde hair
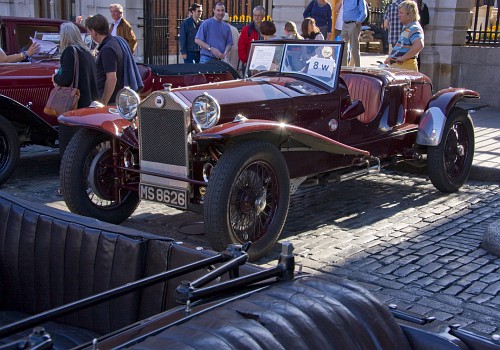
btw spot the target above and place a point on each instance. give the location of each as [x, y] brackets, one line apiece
[71, 39]
[291, 31]
[310, 30]
[411, 41]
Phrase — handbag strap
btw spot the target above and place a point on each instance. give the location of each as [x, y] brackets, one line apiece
[76, 68]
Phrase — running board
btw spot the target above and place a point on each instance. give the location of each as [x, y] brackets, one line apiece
[333, 178]
[369, 170]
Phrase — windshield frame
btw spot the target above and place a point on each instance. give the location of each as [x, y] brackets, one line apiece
[319, 60]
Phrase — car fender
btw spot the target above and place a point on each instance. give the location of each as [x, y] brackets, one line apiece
[284, 136]
[104, 119]
[21, 116]
[446, 99]
[432, 122]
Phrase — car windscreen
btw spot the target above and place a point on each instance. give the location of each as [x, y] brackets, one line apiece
[319, 60]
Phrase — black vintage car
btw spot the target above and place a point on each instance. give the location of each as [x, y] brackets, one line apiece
[68, 281]
[237, 149]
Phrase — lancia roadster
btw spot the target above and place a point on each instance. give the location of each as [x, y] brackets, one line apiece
[237, 150]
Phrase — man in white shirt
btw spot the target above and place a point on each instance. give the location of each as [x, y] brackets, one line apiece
[121, 27]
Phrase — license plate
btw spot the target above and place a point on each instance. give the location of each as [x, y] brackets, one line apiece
[167, 195]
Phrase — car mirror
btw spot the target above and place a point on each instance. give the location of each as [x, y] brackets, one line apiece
[353, 110]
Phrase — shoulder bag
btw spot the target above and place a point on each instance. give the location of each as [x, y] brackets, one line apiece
[64, 98]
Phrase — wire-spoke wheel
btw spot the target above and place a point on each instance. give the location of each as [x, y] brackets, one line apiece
[449, 163]
[88, 179]
[248, 197]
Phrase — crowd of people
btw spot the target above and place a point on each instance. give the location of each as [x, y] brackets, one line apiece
[113, 66]
[402, 31]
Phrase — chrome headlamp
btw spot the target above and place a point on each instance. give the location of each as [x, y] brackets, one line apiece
[127, 102]
[206, 111]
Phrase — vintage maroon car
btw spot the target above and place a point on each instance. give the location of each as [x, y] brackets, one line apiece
[25, 87]
[240, 148]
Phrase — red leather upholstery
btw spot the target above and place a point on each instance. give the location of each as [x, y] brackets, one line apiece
[368, 90]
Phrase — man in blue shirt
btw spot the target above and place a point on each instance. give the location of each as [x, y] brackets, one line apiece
[190, 51]
[214, 36]
[354, 15]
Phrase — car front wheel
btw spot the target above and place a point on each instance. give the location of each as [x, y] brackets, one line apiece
[88, 179]
[449, 163]
[9, 149]
[247, 197]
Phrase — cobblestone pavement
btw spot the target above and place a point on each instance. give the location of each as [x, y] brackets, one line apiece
[393, 233]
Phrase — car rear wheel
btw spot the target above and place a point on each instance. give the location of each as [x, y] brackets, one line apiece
[9, 149]
[88, 179]
[247, 197]
[449, 163]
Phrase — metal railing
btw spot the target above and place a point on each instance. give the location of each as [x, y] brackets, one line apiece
[484, 29]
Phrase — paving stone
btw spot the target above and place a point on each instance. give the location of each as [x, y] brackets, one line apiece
[427, 259]
[442, 316]
[383, 282]
[480, 299]
[434, 288]
[438, 305]
[406, 270]
[489, 277]
[476, 288]
[447, 280]
[492, 289]
[453, 290]
[411, 277]
[465, 269]
[483, 328]
[443, 251]
[424, 281]
[430, 268]
[439, 273]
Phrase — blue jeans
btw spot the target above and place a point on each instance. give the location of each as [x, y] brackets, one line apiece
[205, 59]
[192, 57]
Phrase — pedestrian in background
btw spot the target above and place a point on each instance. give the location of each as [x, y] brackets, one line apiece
[268, 30]
[121, 27]
[109, 60]
[190, 51]
[392, 23]
[291, 32]
[310, 30]
[321, 11]
[70, 39]
[214, 36]
[249, 33]
[232, 58]
[411, 41]
[354, 13]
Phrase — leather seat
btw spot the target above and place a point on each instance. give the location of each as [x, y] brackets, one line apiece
[368, 90]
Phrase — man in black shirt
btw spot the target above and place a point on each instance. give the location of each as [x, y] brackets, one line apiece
[110, 68]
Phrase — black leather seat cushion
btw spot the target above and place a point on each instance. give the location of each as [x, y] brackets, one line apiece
[307, 313]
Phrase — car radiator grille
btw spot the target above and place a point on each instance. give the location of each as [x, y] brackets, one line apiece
[163, 138]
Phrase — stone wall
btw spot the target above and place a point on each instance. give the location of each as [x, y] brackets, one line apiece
[478, 68]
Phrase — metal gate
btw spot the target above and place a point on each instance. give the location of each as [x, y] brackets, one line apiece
[162, 19]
